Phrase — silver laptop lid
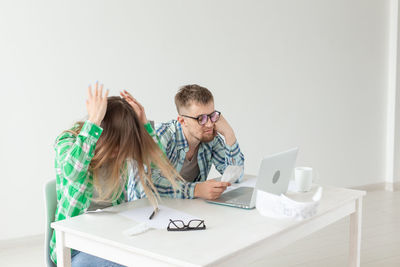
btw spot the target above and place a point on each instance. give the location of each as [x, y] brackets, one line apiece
[275, 173]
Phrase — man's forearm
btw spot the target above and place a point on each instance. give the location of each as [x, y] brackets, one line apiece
[165, 188]
[230, 138]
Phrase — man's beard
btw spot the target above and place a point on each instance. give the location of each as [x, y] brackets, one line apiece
[209, 137]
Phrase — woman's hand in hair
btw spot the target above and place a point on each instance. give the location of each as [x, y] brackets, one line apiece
[96, 104]
[137, 107]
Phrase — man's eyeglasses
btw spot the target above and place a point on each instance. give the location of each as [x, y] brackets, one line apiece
[203, 118]
[179, 225]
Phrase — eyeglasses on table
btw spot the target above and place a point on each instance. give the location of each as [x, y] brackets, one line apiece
[179, 225]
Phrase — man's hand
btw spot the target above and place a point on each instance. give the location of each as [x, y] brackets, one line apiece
[210, 189]
[137, 107]
[222, 126]
[96, 104]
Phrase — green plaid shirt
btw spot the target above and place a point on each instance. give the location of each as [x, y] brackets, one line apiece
[74, 180]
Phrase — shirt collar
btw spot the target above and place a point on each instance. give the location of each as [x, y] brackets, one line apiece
[181, 141]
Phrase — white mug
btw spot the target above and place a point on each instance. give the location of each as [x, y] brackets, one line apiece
[303, 177]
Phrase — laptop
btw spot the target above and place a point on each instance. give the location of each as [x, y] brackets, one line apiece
[273, 177]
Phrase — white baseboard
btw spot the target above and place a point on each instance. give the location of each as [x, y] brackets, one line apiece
[26, 240]
[392, 186]
[380, 187]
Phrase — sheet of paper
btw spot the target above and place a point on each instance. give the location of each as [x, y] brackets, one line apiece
[232, 173]
[274, 206]
[160, 220]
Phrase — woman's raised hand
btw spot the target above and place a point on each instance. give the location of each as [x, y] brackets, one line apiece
[137, 107]
[96, 104]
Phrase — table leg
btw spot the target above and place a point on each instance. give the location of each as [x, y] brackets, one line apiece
[355, 235]
[63, 253]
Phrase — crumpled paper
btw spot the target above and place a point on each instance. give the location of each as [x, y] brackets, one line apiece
[281, 206]
[231, 173]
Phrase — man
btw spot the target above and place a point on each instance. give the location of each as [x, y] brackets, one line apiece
[193, 143]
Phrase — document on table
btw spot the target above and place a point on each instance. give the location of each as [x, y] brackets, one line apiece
[160, 219]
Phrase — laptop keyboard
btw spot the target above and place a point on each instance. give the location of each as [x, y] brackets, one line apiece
[235, 201]
[241, 195]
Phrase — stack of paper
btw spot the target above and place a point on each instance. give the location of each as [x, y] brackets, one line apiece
[275, 206]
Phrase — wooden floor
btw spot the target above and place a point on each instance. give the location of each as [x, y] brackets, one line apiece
[380, 245]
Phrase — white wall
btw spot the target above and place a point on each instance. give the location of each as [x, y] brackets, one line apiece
[396, 177]
[393, 102]
[309, 73]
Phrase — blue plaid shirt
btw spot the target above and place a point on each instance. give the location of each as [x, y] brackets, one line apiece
[174, 142]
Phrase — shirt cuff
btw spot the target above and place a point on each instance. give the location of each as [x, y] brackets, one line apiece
[233, 149]
[190, 190]
[149, 128]
[91, 130]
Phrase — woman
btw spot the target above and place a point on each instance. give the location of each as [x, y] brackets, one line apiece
[93, 160]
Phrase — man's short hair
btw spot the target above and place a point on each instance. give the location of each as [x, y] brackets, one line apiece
[192, 93]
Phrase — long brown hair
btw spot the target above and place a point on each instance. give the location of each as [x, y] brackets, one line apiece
[124, 138]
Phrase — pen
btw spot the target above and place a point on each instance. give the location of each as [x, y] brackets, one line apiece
[153, 213]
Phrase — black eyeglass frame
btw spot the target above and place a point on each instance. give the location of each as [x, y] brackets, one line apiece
[200, 226]
[199, 118]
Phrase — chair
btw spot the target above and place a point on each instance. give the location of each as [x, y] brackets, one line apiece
[50, 202]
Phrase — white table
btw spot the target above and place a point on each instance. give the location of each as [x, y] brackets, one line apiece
[233, 236]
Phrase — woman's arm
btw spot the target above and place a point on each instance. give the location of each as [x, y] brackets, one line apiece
[75, 152]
